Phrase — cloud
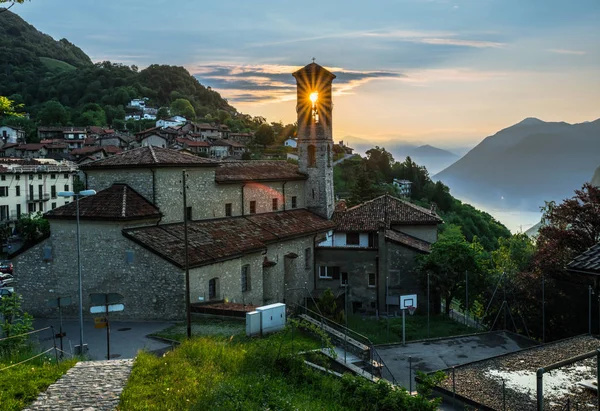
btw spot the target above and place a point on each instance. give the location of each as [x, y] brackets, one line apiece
[462, 43]
[570, 52]
[268, 82]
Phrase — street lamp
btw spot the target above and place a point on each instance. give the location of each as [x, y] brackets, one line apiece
[77, 196]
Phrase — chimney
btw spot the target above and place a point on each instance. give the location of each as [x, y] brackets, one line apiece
[433, 207]
[341, 206]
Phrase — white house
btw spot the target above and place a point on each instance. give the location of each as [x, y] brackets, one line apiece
[219, 150]
[154, 140]
[291, 142]
[171, 121]
[11, 135]
[32, 187]
[138, 102]
[403, 186]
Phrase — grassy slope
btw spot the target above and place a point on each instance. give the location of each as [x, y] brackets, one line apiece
[22, 384]
[56, 65]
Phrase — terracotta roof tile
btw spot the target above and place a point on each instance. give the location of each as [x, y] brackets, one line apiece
[408, 240]
[30, 147]
[151, 157]
[587, 262]
[222, 239]
[118, 202]
[86, 150]
[239, 171]
[391, 210]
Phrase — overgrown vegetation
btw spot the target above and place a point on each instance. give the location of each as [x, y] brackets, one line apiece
[238, 373]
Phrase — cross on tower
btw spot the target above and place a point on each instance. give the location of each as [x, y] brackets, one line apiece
[313, 59]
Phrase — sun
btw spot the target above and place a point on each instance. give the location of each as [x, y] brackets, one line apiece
[314, 97]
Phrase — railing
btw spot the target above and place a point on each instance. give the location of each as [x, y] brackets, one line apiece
[376, 365]
[43, 197]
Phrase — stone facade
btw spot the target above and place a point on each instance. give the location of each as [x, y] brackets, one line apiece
[152, 287]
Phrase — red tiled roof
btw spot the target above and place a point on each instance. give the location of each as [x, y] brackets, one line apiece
[588, 262]
[148, 130]
[86, 150]
[118, 202]
[30, 147]
[110, 149]
[240, 171]
[144, 157]
[391, 210]
[210, 241]
[9, 145]
[408, 240]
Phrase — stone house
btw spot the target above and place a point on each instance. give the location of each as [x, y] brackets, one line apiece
[154, 140]
[371, 253]
[11, 135]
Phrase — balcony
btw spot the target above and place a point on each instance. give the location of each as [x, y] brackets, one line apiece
[37, 198]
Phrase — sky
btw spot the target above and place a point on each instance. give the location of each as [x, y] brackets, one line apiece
[441, 72]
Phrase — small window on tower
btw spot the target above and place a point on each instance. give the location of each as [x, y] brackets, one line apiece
[328, 156]
[228, 210]
[275, 204]
[252, 207]
[312, 156]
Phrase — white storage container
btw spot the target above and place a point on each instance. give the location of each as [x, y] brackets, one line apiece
[272, 317]
[252, 323]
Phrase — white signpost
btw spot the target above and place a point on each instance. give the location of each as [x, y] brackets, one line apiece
[407, 302]
[100, 309]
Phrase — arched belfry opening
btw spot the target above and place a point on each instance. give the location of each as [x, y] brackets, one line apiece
[314, 109]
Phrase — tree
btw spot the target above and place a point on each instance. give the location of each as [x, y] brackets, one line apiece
[264, 135]
[9, 108]
[568, 230]
[451, 256]
[14, 322]
[53, 114]
[162, 113]
[380, 161]
[363, 188]
[32, 226]
[12, 3]
[183, 107]
[92, 115]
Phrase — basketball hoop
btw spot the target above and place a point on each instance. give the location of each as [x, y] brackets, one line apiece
[411, 309]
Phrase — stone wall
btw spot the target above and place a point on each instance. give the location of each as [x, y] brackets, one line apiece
[358, 264]
[152, 287]
[403, 278]
[140, 179]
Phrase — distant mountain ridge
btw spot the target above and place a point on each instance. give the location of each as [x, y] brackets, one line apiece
[433, 158]
[526, 164]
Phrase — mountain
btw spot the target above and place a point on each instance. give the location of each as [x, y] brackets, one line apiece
[36, 68]
[596, 178]
[526, 164]
[433, 158]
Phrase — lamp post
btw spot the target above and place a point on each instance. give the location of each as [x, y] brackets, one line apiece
[77, 196]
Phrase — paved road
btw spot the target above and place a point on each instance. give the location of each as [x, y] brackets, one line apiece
[346, 157]
[126, 338]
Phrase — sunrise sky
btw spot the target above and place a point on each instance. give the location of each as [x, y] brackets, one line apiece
[442, 72]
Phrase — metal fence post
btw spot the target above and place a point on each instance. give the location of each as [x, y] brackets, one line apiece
[410, 375]
[503, 394]
[453, 388]
[540, 389]
[54, 343]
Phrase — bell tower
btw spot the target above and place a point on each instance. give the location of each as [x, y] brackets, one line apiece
[315, 139]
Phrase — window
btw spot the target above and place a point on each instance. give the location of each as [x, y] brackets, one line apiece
[3, 213]
[329, 273]
[31, 176]
[372, 281]
[66, 187]
[188, 213]
[307, 258]
[39, 176]
[312, 156]
[53, 191]
[352, 238]
[17, 177]
[212, 288]
[252, 207]
[66, 175]
[18, 191]
[245, 278]
[3, 177]
[53, 206]
[40, 192]
[372, 240]
[275, 204]
[294, 201]
[344, 278]
[31, 208]
[228, 210]
[18, 210]
[4, 191]
[53, 176]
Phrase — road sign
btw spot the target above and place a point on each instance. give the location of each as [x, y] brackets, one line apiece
[101, 309]
[59, 302]
[102, 298]
[100, 322]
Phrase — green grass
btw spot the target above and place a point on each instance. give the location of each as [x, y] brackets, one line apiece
[240, 373]
[416, 328]
[56, 65]
[204, 327]
[22, 384]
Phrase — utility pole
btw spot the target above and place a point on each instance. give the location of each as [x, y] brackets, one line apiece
[466, 297]
[428, 305]
[187, 265]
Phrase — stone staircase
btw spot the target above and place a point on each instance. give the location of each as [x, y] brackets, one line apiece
[88, 386]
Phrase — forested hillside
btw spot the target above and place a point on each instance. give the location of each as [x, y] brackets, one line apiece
[59, 85]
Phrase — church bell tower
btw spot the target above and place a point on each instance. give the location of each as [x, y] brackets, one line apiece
[315, 139]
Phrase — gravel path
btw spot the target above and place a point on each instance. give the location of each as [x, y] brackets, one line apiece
[88, 386]
[482, 381]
